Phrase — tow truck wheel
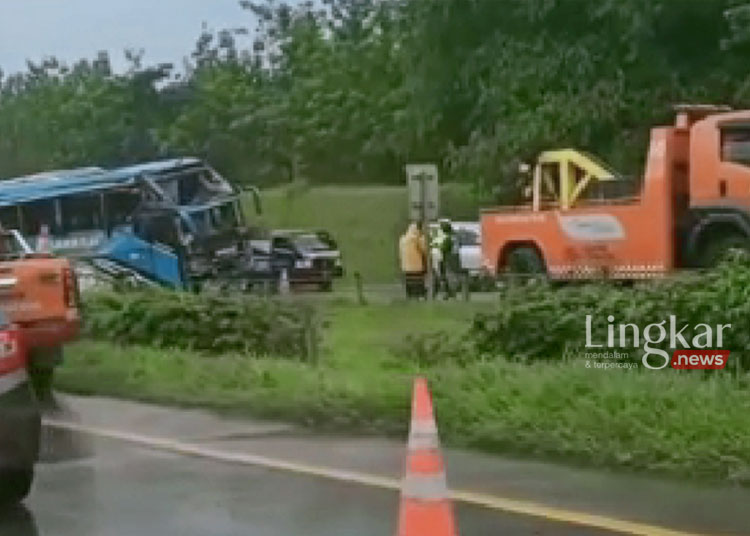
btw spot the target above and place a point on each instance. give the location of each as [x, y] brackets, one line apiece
[15, 485]
[722, 248]
[525, 263]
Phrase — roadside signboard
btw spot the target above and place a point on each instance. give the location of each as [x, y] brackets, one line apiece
[424, 194]
[424, 205]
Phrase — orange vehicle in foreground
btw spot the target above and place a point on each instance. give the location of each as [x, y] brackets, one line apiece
[38, 294]
[586, 221]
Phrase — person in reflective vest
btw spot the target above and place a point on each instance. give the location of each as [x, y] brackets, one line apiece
[443, 247]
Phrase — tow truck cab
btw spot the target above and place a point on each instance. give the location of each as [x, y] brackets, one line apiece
[585, 220]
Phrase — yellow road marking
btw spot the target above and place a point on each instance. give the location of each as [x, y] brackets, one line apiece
[514, 506]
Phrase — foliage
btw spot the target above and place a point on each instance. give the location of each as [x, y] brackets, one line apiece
[205, 323]
[55, 117]
[350, 90]
[540, 322]
[434, 348]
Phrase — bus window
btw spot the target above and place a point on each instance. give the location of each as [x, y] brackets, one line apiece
[190, 186]
[81, 213]
[224, 217]
[160, 227]
[196, 187]
[36, 214]
[200, 220]
[120, 207]
[9, 217]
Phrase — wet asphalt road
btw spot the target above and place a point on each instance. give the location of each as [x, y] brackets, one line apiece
[121, 490]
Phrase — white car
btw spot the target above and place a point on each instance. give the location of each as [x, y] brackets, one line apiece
[469, 238]
[469, 243]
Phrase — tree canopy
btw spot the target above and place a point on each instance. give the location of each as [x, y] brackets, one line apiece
[347, 91]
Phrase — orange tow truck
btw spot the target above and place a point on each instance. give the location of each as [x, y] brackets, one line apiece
[585, 221]
[39, 295]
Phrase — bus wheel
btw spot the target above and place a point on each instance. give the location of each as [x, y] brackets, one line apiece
[723, 248]
[524, 263]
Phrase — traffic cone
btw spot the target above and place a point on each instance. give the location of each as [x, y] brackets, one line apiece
[43, 242]
[426, 508]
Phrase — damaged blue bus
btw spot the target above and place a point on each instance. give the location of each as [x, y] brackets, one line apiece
[175, 223]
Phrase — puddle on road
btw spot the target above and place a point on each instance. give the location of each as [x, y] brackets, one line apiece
[256, 433]
[58, 445]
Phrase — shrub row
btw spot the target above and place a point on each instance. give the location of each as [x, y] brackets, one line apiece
[206, 323]
[542, 322]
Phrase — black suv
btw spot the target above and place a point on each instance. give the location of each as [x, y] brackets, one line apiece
[307, 257]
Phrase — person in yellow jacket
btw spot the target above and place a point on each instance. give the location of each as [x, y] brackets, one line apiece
[413, 255]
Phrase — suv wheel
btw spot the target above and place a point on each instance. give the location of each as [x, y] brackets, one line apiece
[15, 485]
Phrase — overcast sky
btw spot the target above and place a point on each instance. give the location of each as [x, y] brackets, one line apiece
[73, 29]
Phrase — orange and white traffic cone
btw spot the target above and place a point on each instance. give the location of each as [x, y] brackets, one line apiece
[426, 508]
[43, 242]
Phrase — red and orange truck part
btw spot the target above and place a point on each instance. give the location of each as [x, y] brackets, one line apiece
[38, 295]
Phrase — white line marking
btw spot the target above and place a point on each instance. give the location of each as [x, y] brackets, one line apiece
[11, 380]
[353, 477]
[424, 487]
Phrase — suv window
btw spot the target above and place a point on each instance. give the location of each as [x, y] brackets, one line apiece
[282, 242]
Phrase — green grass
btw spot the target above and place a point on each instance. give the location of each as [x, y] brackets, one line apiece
[663, 422]
[366, 220]
[366, 337]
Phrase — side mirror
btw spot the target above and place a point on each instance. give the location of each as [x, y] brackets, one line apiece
[255, 193]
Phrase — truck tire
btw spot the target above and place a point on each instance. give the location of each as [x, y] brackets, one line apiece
[526, 261]
[719, 249]
[15, 485]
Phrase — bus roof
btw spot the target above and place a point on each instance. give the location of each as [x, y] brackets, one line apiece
[52, 184]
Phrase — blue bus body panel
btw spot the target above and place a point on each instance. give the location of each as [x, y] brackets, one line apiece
[60, 183]
[154, 261]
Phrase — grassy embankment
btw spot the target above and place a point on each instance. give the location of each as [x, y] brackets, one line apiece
[366, 221]
[657, 421]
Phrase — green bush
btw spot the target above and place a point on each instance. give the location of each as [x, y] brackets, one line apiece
[433, 349]
[206, 323]
[542, 322]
